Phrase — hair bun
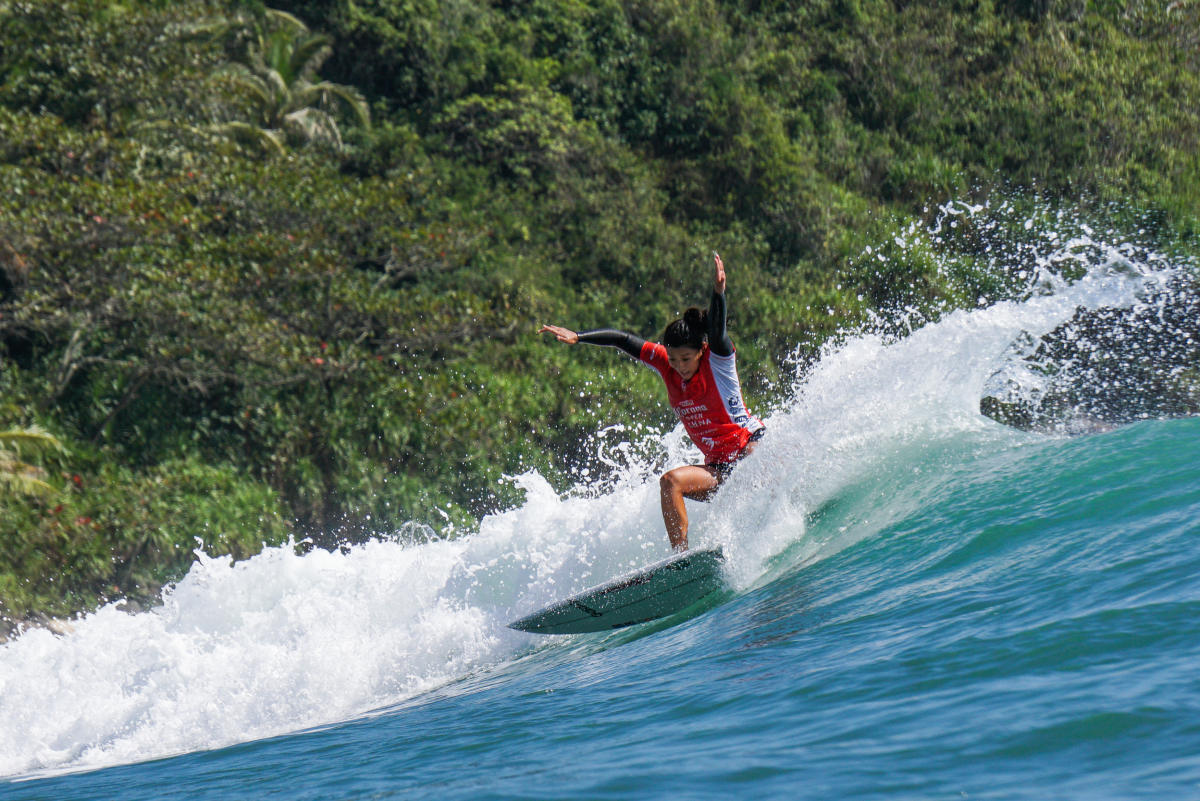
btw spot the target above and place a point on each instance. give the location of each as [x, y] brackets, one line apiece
[690, 331]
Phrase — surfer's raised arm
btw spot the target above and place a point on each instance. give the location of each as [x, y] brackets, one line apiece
[718, 336]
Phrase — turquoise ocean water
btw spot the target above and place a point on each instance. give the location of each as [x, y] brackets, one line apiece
[921, 604]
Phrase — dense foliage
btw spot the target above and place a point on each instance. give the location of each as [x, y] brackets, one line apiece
[248, 308]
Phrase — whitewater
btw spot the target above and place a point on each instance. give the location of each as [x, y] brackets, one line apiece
[921, 603]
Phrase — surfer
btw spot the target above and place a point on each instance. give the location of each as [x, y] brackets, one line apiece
[696, 361]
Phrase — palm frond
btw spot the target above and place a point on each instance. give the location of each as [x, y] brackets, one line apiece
[279, 86]
[286, 20]
[248, 87]
[16, 476]
[324, 92]
[29, 440]
[308, 54]
[275, 53]
[207, 29]
[244, 133]
[313, 125]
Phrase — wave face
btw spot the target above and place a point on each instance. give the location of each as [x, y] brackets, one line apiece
[922, 603]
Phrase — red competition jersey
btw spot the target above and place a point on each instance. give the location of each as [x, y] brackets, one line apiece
[710, 404]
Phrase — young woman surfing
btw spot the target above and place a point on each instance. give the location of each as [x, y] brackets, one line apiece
[697, 363]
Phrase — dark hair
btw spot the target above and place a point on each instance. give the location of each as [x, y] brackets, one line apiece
[688, 332]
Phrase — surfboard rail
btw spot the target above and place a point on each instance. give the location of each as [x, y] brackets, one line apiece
[655, 591]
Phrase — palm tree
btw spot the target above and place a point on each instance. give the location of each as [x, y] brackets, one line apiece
[275, 81]
[18, 477]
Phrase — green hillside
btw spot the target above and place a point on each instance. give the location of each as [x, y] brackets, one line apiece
[277, 272]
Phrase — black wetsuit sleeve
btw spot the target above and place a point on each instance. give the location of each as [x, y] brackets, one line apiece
[614, 339]
[718, 338]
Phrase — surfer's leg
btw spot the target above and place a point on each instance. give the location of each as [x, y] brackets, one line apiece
[690, 481]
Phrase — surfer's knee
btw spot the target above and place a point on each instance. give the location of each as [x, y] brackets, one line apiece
[688, 482]
[670, 482]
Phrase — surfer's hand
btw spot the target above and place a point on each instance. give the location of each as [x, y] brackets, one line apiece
[719, 281]
[561, 334]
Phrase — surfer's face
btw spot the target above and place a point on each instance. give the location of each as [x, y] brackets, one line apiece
[684, 360]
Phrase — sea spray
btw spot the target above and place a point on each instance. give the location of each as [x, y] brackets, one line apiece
[286, 641]
[913, 378]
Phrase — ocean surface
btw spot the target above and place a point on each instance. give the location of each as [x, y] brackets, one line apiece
[922, 604]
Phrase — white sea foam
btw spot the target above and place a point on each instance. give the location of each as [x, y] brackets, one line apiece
[282, 642]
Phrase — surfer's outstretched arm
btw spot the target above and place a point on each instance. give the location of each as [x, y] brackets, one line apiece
[601, 336]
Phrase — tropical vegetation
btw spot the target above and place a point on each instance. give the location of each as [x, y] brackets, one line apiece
[276, 272]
